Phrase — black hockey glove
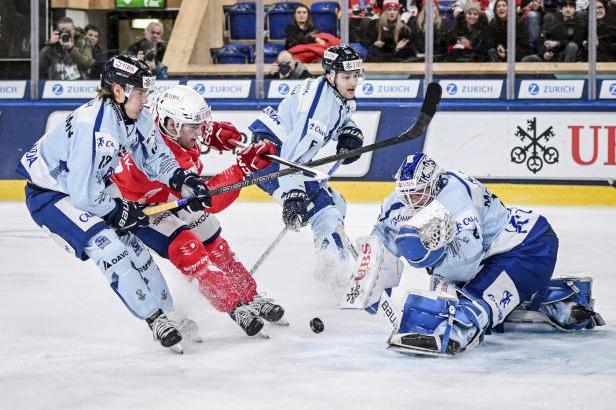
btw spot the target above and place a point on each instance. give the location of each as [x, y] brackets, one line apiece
[126, 216]
[189, 184]
[349, 138]
[295, 209]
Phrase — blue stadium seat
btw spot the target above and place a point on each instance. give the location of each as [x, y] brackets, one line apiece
[279, 16]
[361, 50]
[324, 16]
[271, 51]
[242, 21]
[235, 54]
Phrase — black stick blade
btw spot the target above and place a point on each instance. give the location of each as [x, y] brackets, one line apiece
[432, 99]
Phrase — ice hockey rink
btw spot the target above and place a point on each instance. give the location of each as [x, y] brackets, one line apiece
[67, 342]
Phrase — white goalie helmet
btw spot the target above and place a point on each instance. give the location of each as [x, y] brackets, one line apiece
[181, 105]
[417, 180]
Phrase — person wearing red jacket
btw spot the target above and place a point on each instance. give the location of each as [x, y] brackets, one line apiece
[190, 236]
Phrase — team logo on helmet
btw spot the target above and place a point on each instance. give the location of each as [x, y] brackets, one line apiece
[329, 55]
[149, 82]
[123, 65]
[352, 65]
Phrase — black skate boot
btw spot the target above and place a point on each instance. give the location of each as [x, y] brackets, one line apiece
[267, 309]
[247, 317]
[164, 330]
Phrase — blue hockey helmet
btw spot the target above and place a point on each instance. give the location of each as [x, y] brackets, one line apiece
[417, 180]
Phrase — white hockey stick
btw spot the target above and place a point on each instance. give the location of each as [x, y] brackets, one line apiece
[284, 231]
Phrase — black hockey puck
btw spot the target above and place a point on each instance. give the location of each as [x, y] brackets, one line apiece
[316, 325]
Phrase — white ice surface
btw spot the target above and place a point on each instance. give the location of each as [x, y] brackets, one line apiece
[67, 342]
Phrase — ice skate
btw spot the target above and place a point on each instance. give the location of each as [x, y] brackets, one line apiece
[247, 317]
[165, 331]
[269, 310]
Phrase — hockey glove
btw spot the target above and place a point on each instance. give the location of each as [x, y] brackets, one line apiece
[295, 209]
[349, 138]
[252, 158]
[188, 184]
[126, 216]
[221, 133]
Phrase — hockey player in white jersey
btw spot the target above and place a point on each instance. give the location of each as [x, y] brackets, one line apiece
[68, 169]
[485, 260]
[316, 112]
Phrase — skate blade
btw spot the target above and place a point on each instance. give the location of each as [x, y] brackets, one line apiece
[281, 322]
[177, 348]
[418, 351]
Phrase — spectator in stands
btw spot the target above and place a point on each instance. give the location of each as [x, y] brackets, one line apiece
[497, 35]
[301, 31]
[467, 40]
[158, 68]
[363, 9]
[532, 13]
[151, 41]
[304, 41]
[287, 68]
[563, 39]
[440, 33]
[388, 38]
[91, 40]
[606, 34]
[61, 59]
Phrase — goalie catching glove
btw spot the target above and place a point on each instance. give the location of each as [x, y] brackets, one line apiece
[295, 209]
[253, 157]
[189, 184]
[422, 239]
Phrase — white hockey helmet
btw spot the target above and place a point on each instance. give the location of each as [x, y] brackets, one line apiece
[417, 180]
[181, 104]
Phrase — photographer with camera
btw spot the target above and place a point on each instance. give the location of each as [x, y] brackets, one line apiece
[287, 68]
[61, 59]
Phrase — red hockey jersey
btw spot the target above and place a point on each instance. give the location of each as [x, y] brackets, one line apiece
[135, 185]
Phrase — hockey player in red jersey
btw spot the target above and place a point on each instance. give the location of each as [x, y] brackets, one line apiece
[190, 237]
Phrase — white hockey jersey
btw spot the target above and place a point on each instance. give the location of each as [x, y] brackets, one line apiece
[78, 156]
[484, 226]
[309, 118]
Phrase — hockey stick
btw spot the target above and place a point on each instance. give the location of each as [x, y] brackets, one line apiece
[312, 173]
[284, 231]
[428, 108]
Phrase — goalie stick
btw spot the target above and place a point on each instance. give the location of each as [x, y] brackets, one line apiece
[428, 108]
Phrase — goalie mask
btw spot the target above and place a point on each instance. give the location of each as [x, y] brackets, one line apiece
[417, 180]
[181, 112]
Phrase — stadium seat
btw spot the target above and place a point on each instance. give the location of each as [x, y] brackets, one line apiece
[271, 51]
[361, 50]
[324, 16]
[279, 16]
[242, 21]
[235, 54]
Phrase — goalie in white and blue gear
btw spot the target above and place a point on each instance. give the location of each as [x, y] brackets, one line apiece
[67, 173]
[486, 261]
[317, 112]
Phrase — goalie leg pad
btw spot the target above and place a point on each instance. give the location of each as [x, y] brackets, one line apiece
[360, 290]
[566, 304]
[434, 323]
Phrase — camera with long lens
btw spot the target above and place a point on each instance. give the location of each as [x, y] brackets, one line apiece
[284, 68]
[65, 37]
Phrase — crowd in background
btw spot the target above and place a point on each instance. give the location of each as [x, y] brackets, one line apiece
[72, 53]
[388, 31]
